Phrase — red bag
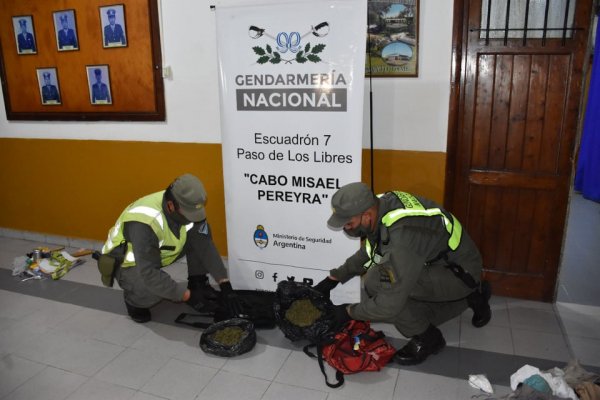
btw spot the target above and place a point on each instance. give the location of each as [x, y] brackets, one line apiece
[357, 347]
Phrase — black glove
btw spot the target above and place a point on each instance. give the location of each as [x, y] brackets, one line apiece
[340, 316]
[231, 301]
[326, 285]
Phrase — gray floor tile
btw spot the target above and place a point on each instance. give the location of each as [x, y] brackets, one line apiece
[80, 355]
[533, 317]
[132, 368]
[227, 385]
[489, 338]
[120, 330]
[262, 361]
[580, 320]
[94, 389]
[278, 391]
[179, 380]
[586, 350]
[548, 346]
[418, 386]
[14, 371]
[176, 342]
[50, 384]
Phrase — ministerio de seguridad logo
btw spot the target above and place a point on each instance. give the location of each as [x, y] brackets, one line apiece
[289, 47]
[261, 239]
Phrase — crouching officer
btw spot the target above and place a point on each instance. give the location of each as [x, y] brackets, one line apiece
[418, 266]
[154, 232]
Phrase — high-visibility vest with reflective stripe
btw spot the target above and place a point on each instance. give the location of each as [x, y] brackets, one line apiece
[414, 208]
[148, 210]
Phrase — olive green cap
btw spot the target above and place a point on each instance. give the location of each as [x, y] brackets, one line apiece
[350, 200]
[191, 197]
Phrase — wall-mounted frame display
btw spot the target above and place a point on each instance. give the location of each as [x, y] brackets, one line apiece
[72, 66]
[114, 31]
[24, 34]
[65, 26]
[99, 84]
[49, 87]
[392, 38]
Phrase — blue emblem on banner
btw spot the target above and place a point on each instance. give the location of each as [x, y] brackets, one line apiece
[261, 239]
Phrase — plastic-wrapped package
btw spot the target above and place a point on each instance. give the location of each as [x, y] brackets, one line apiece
[289, 292]
[229, 338]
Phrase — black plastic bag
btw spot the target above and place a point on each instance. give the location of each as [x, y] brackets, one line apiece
[287, 293]
[247, 340]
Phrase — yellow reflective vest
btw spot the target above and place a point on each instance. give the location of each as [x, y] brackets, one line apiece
[148, 210]
[414, 208]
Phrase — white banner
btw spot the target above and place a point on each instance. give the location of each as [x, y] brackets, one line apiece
[291, 80]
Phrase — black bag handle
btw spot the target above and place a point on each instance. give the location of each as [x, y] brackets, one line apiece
[339, 375]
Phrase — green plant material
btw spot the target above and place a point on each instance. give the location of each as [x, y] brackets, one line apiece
[302, 313]
[228, 336]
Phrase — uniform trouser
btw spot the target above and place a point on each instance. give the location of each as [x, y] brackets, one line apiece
[443, 298]
[417, 315]
[135, 291]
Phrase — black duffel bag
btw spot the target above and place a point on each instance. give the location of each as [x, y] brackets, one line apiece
[257, 307]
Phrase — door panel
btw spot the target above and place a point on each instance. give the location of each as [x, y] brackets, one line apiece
[513, 122]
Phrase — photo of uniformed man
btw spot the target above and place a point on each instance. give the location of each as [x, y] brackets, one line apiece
[99, 84]
[113, 22]
[24, 34]
[66, 30]
[48, 83]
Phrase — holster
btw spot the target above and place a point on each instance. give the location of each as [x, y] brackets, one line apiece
[108, 264]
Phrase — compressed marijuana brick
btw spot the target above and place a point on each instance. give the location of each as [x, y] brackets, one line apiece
[302, 313]
[228, 336]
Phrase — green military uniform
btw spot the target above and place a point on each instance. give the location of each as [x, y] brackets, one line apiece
[406, 281]
[155, 240]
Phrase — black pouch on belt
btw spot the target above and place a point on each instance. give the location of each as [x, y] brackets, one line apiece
[108, 264]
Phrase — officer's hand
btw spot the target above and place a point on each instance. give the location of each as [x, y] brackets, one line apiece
[326, 285]
[340, 316]
[231, 301]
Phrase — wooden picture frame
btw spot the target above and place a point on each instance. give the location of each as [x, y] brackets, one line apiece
[21, 85]
[99, 84]
[24, 34]
[49, 86]
[114, 28]
[65, 27]
[392, 38]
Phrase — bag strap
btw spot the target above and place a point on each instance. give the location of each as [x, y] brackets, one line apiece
[339, 376]
[196, 324]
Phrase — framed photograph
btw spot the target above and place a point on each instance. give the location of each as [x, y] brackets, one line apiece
[48, 84]
[392, 38]
[24, 34]
[114, 31]
[99, 84]
[65, 27]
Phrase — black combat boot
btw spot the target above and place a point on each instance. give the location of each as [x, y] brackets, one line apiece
[479, 302]
[421, 346]
[203, 297]
[138, 314]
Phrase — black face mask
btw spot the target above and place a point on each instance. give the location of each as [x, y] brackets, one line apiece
[359, 232]
[180, 219]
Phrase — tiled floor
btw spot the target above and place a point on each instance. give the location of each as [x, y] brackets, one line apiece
[71, 339]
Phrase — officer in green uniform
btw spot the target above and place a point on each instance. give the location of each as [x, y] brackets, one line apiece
[155, 231]
[418, 266]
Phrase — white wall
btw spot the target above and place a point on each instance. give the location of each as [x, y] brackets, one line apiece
[409, 113]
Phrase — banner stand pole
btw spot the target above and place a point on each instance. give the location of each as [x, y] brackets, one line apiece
[370, 106]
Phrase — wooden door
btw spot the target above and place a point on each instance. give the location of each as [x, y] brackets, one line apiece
[515, 100]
